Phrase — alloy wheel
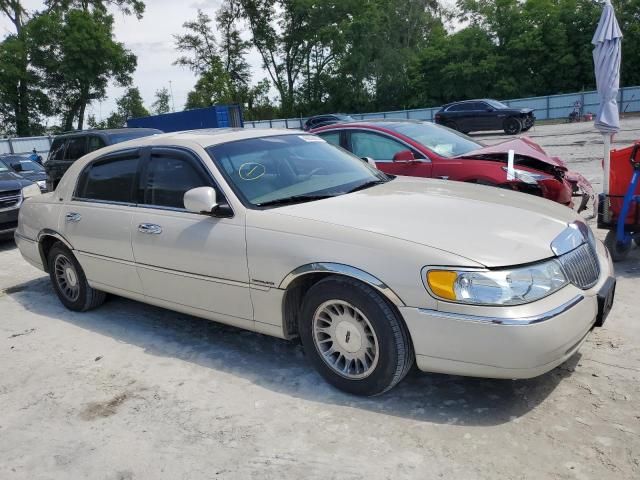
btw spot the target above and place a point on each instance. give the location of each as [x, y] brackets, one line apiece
[345, 339]
[67, 278]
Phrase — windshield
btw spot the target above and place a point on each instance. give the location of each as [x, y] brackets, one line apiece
[496, 104]
[3, 167]
[441, 140]
[26, 166]
[290, 169]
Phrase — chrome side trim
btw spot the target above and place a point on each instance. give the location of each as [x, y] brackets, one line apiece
[340, 269]
[506, 321]
[46, 232]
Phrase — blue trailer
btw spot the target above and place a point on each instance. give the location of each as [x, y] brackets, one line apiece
[218, 116]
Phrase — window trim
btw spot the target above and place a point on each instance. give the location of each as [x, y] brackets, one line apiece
[117, 155]
[348, 131]
[195, 160]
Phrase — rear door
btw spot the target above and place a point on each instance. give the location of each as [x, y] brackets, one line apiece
[97, 221]
[186, 258]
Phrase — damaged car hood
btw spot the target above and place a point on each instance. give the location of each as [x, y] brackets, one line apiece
[524, 148]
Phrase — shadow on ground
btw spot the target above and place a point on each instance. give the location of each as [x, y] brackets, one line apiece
[281, 366]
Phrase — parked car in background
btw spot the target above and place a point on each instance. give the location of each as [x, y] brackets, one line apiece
[423, 149]
[13, 190]
[26, 168]
[485, 114]
[278, 232]
[322, 120]
[69, 147]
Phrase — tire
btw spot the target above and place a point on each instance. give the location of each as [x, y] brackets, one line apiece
[512, 126]
[339, 306]
[617, 250]
[70, 282]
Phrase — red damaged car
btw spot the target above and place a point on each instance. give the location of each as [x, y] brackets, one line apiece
[422, 149]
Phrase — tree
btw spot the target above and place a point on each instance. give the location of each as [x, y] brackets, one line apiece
[79, 57]
[17, 79]
[162, 101]
[129, 105]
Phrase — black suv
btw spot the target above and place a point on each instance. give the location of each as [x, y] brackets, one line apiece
[481, 115]
[69, 147]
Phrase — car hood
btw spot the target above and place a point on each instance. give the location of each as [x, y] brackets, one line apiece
[11, 181]
[33, 176]
[491, 226]
[524, 148]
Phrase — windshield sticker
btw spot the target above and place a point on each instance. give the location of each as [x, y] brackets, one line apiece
[251, 171]
[310, 138]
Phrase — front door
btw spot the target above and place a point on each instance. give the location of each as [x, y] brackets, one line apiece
[184, 258]
[97, 221]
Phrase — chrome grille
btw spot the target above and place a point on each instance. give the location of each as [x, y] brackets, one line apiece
[10, 199]
[581, 266]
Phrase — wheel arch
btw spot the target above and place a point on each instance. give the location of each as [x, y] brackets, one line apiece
[46, 239]
[298, 282]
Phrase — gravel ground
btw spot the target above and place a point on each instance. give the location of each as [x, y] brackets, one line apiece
[130, 391]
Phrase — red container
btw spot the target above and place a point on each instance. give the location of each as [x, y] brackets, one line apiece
[620, 172]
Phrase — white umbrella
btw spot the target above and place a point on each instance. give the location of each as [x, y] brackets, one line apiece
[606, 59]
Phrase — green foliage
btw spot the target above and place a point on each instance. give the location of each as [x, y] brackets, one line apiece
[129, 105]
[162, 102]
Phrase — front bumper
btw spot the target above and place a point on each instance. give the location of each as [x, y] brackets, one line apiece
[8, 220]
[506, 342]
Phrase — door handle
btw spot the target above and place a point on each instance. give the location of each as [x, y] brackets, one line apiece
[150, 228]
[73, 217]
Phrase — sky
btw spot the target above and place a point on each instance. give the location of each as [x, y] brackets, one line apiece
[151, 39]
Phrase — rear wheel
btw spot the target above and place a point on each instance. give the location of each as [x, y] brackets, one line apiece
[69, 281]
[353, 337]
[618, 250]
[512, 126]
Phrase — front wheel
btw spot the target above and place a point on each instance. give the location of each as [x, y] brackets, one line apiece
[512, 126]
[618, 250]
[69, 281]
[353, 337]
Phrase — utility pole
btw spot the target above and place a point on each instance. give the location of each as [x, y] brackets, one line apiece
[173, 103]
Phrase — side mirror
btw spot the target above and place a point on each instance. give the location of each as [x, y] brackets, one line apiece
[370, 161]
[200, 200]
[17, 167]
[404, 156]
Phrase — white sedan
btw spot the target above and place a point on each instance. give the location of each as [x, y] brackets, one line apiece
[278, 232]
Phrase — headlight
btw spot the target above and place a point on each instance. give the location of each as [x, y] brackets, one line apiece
[497, 287]
[531, 178]
[42, 184]
[30, 191]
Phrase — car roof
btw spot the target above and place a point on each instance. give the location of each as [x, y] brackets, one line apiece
[107, 131]
[471, 100]
[373, 123]
[207, 137]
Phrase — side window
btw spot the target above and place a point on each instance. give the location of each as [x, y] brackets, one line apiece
[108, 180]
[331, 137]
[168, 178]
[95, 143]
[365, 144]
[76, 148]
[460, 107]
[57, 149]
